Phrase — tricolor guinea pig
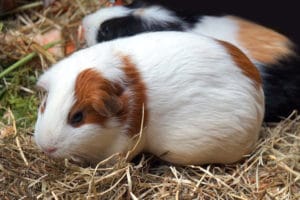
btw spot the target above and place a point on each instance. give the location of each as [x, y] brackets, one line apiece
[195, 96]
[273, 54]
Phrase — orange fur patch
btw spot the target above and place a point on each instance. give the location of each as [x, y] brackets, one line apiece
[243, 62]
[100, 99]
[95, 98]
[263, 44]
[138, 97]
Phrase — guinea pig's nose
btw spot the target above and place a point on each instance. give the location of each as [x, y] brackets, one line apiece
[50, 150]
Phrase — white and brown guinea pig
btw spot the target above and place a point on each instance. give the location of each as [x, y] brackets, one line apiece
[200, 97]
[271, 52]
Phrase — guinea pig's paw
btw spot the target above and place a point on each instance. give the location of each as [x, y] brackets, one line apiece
[79, 161]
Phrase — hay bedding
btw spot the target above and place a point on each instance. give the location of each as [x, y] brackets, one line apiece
[271, 172]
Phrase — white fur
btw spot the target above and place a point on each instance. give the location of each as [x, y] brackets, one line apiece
[202, 108]
[222, 28]
[92, 22]
[156, 14]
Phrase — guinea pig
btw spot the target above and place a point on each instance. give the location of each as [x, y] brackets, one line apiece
[195, 96]
[273, 53]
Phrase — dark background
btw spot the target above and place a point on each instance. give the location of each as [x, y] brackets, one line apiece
[280, 15]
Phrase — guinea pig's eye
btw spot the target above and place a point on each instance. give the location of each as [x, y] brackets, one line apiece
[76, 118]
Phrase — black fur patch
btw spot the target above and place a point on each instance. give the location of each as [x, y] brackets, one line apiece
[187, 17]
[190, 20]
[139, 4]
[132, 25]
[281, 84]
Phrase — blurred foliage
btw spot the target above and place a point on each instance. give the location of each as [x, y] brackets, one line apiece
[17, 92]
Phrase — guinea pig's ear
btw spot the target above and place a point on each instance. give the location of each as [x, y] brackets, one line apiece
[109, 107]
[112, 106]
[111, 103]
[43, 82]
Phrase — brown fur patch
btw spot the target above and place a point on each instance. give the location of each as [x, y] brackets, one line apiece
[263, 44]
[100, 99]
[96, 97]
[243, 62]
[138, 97]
